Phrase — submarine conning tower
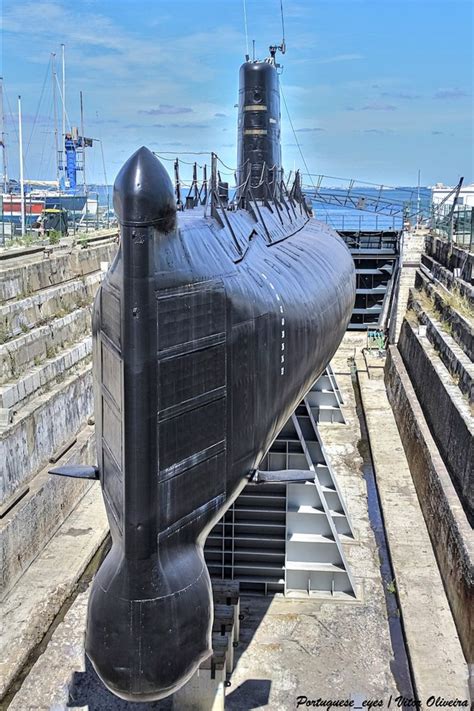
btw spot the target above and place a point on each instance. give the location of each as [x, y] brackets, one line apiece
[259, 149]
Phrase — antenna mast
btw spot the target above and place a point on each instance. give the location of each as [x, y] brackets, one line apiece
[274, 48]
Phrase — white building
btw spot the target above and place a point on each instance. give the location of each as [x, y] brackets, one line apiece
[465, 199]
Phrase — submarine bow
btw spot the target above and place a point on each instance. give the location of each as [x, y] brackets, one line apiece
[208, 330]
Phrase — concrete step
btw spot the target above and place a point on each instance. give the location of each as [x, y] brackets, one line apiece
[447, 278]
[42, 343]
[18, 317]
[455, 360]
[43, 427]
[16, 394]
[24, 279]
[37, 597]
[451, 256]
[446, 410]
[460, 324]
[34, 514]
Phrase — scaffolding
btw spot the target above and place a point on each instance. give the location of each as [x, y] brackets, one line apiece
[287, 537]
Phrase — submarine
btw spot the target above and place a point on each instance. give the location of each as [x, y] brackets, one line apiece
[210, 326]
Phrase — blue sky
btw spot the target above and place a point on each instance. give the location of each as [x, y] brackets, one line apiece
[376, 89]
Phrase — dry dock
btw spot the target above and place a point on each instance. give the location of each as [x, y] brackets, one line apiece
[402, 460]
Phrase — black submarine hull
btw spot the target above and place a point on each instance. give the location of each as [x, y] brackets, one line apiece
[201, 353]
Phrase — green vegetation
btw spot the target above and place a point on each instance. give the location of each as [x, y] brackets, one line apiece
[54, 236]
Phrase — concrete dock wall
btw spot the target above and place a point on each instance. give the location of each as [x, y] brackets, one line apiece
[451, 256]
[455, 360]
[23, 280]
[446, 410]
[450, 532]
[460, 328]
[26, 445]
[35, 519]
[447, 278]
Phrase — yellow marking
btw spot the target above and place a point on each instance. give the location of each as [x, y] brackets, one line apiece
[255, 107]
[255, 132]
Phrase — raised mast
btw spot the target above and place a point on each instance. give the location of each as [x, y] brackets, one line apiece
[22, 180]
[55, 110]
[63, 62]
[2, 139]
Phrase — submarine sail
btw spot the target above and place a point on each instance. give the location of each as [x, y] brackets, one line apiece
[259, 146]
[208, 329]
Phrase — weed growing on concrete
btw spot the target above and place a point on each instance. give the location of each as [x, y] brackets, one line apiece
[54, 237]
[82, 302]
[24, 327]
[392, 587]
[411, 317]
[425, 300]
[447, 327]
[458, 302]
[455, 378]
[4, 335]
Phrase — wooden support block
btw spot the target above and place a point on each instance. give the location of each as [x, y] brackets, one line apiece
[227, 592]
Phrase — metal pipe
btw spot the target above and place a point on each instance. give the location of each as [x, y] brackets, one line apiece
[213, 182]
[195, 183]
[204, 180]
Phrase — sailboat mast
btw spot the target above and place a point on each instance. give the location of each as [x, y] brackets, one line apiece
[55, 109]
[2, 138]
[22, 180]
[63, 61]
